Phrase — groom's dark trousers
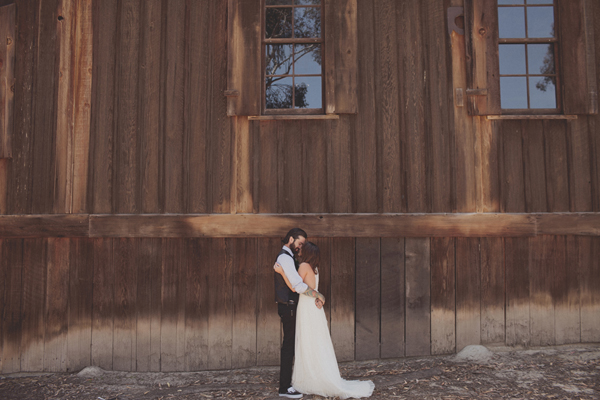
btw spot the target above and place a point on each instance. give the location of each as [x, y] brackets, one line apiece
[287, 313]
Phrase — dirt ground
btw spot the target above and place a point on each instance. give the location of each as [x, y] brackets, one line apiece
[564, 372]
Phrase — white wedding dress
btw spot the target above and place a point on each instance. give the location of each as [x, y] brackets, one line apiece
[315, 365]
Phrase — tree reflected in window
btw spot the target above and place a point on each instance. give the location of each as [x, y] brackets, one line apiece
[293, 55]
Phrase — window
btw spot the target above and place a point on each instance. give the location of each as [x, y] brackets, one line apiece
[514, 49]
[293, 49]
[526, 52]
[295, 58]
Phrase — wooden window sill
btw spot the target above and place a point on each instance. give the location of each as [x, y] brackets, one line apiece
[551, 116]
[290, 117]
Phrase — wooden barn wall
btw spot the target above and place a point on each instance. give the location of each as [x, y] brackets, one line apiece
[158, 139]
[196, 304]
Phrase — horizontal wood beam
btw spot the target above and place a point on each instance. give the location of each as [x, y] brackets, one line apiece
[317, 225]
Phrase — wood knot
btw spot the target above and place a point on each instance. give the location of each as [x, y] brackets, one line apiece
[482, 31]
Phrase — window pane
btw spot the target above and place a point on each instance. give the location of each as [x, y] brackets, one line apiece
[540, 22]
[279, 2]
[540, 2]
[510, 2]
[307, 22]
[513, 92]
[278, 59]
[512, 59]
[278, 93]
[308, 92]
[308, 59]
[307, 2]
[278, 23]
[542, 92]
[541, 58]
[511, 22]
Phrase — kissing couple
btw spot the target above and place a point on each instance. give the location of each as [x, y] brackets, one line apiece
[307, 349]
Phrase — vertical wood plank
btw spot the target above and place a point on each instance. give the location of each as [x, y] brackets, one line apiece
[103, 304]
[345, 50]
[314, 168]
[464, 141]
[81, 270]
[578, 143]
[150, 136]
[220, 143]
[589, 264]
[541, 272]
[342, 296]
[7, 75]
[21, 178]
[290, 164]
[387, 113]
[125, 150]
[324, 245]
[173, 75]
[268, 330]
[368, 298]
[56, 321]
[244, 269]
[220, 317]
[534, 167]
[567, 310]
[147, 305]
[512, 188]
[468, 292]
[75, 35]
[125, 258]
[32, 311]
[516, 252]
[4, 271]
[364, 139]
[414, 134]
[266, 166]
[103, 105]
[242, 190]
[490, 174]
[198, 104]
[557, 178]
[43, 129]
[196, 315]
[172, 327]
[418, 296]
[339, 164]
[12, 322]
[443, 296]
[392, 297]
[492, 290]
[4, 177]
[439, 105]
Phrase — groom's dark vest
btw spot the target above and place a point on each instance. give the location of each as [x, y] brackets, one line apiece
[283, 294]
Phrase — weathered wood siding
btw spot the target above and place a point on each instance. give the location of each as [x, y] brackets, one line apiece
[159, 141]
[193, 304]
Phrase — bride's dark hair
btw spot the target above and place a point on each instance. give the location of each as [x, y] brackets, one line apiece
[311, 255]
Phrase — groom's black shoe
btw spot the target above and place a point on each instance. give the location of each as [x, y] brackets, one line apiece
[291, 393]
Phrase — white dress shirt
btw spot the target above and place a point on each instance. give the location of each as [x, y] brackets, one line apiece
[290, 271]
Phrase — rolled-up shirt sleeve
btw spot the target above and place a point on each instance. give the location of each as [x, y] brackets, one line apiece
[290, 271]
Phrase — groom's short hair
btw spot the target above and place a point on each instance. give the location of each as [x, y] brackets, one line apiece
[295, 233]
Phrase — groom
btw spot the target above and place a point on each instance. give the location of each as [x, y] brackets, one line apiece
[287, 302]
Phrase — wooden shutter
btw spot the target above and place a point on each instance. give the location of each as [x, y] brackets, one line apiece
[481, 45]
[577, 57]
[7, 62]
[244, 71]
[341, 60]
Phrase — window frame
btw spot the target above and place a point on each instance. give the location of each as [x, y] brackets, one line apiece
[293, 42]
[526, 41]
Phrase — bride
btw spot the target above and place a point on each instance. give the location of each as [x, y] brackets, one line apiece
[315, 365]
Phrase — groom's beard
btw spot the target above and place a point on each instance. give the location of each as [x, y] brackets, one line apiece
[295, 250]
